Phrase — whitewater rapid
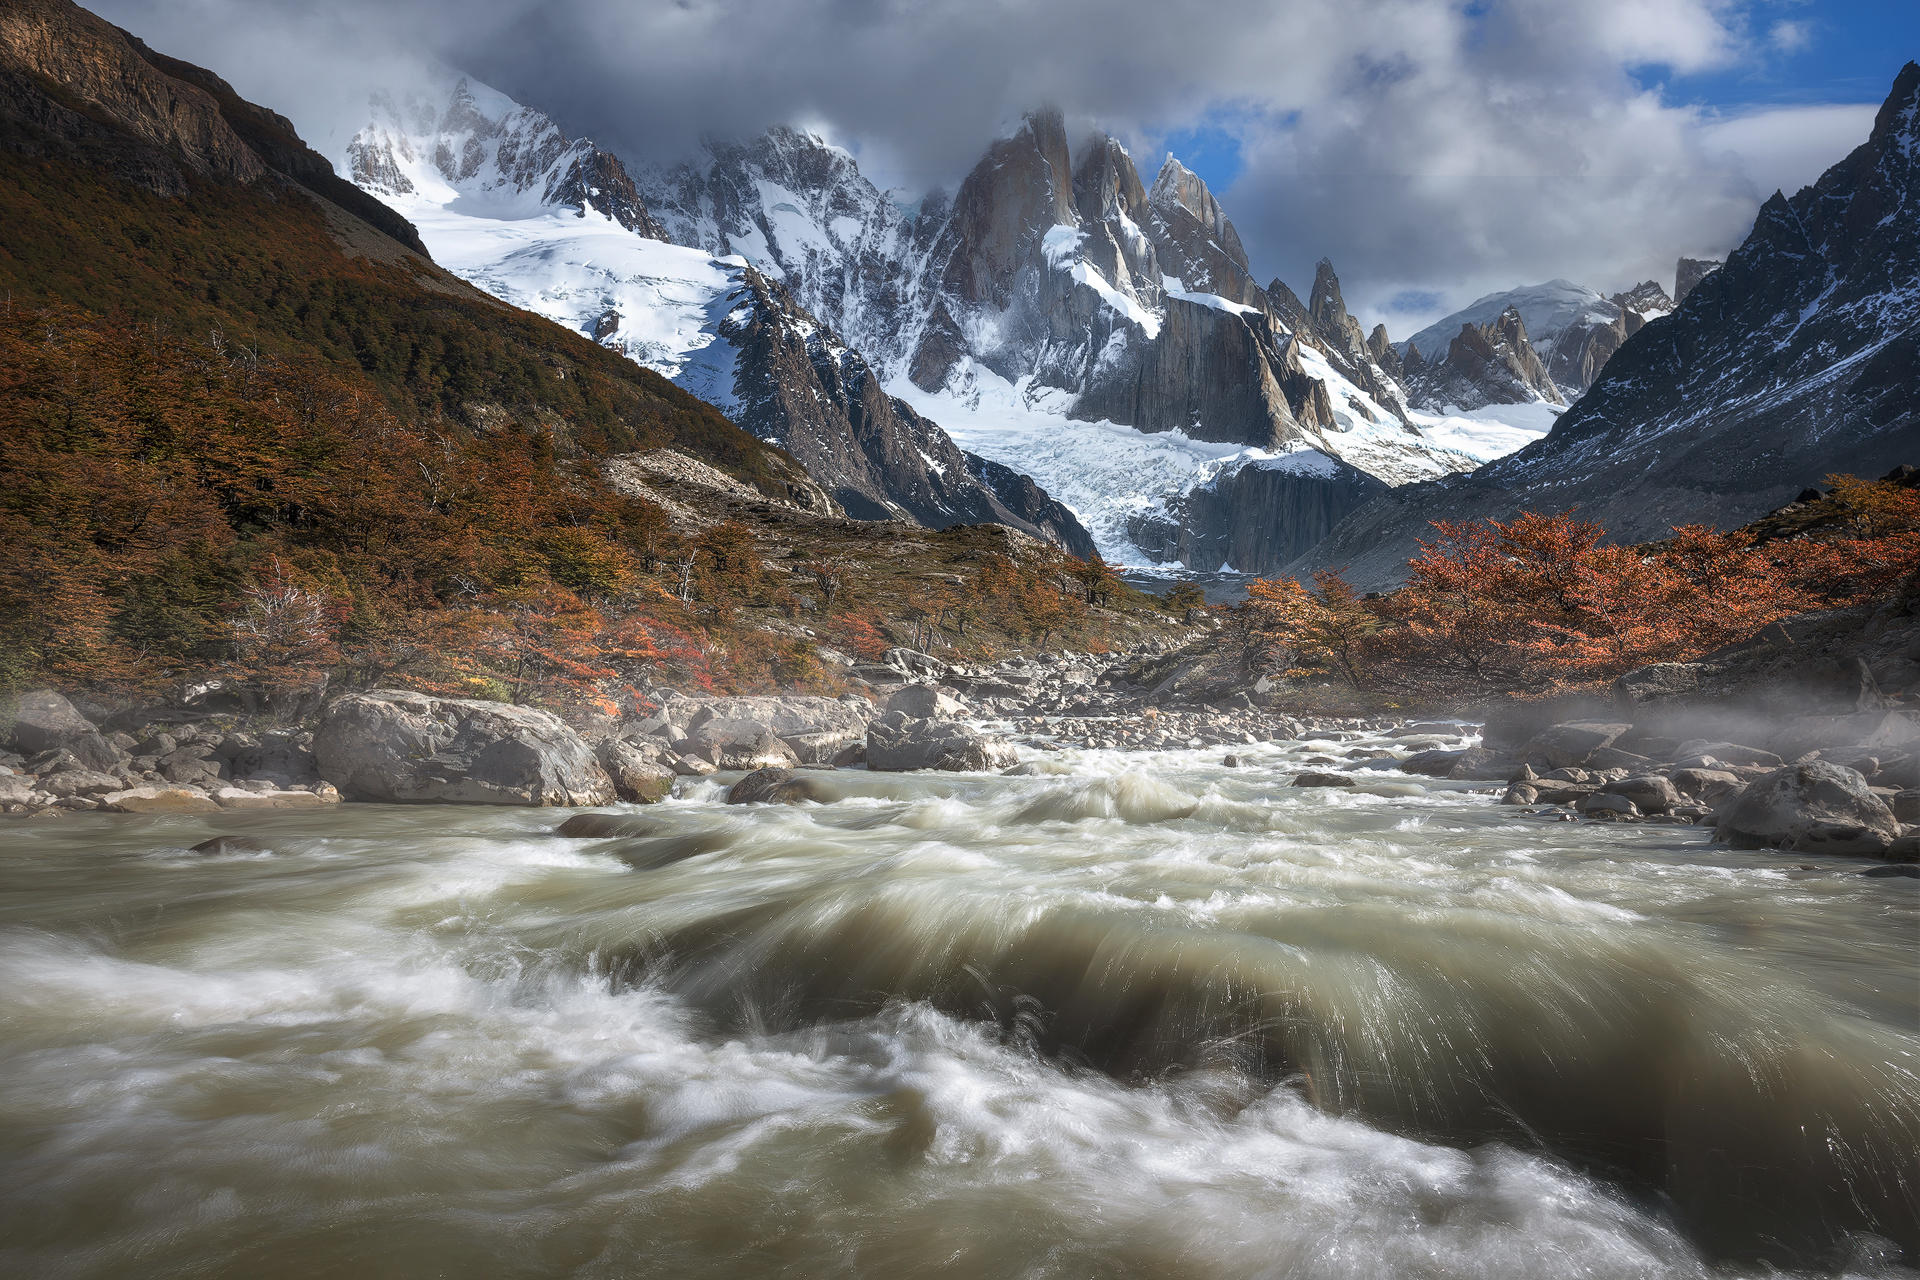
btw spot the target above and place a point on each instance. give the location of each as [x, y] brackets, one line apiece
[1123, 1015]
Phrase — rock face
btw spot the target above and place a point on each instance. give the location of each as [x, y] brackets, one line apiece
[410, 748]
[897, 743]
[1797, 359]
[1688, 274]
[1257, 517]
[1809, 808]
[1492, 363]
[148, 118]
[1572, 329]
[798, 386]
[1030, 506]
[1053, 266]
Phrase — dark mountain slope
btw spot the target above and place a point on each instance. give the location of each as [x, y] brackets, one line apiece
[128, 190]
[1798, 358]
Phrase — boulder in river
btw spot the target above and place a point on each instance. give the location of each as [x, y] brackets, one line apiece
[402, 747]
[1571, 743]
[925, 702]
[160, 800]
[1312, 779]
[776, 786]
[1809, 808]
[813, 730]
[899, 744]
[641, 771]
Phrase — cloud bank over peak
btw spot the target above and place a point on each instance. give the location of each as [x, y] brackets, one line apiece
[1434, 149]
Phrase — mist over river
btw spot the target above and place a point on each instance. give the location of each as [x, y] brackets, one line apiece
[1125, 1015]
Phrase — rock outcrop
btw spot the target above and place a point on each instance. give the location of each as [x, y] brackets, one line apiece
[1816, 807]
[402, 747]
[1485, 364]
[1688, 274]
[897, 743]
[1257, 517]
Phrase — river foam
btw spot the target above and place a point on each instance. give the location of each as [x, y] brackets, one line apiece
[1122, 1016]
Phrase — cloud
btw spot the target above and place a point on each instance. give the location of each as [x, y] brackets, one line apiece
[1790, 37]
[1432, 148]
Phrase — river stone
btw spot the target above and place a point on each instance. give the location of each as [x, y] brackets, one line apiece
[1433, 764]
[41, 720]
[229, 845]
[401, 747]
[1605, 804]
[160, 800]
[899, 744]
[1906, 806]
[1649, 792]
[1809, 808]
[776, 786]
[813, 729]
[925, 702]
[598, 826]
[1709, 786]
[1312, 779]
[639, 770]
[1571, 743]
[240, 799]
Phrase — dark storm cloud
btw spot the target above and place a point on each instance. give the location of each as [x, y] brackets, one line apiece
[1424, 147]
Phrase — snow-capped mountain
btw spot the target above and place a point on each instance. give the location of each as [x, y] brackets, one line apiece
[504, 199]
[1061, 317]
[1572, 329]
[1796, 359]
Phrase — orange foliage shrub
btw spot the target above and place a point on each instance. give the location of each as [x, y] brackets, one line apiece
[1541, 603]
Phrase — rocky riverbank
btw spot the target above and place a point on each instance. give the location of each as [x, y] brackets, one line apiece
[1835, 784]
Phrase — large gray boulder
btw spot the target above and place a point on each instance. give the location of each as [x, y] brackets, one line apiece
[1571, 743]
[42, 720]
[641, 771]
[899, 744]
[925, 702]
[410, 748]
[1809, 808]
[813, 729]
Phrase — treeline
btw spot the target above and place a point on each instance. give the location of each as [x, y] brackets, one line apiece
[1543, 604]
[174, 506]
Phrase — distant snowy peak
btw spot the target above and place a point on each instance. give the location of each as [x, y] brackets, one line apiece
[466, 139]
[1573, 329]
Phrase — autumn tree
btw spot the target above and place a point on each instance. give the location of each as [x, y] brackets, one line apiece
[1302, 629]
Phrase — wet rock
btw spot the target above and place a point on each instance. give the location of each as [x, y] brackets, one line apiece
[764, 752]
[1897, 871]
[1521, 793]
[160, 800]
[777, 786]
[640, 771]
[229, 845]
[664, 851]
[1230, 762]
[1313, 779]
[1606, 804]
[899, 744]
[403, 747]
[1433, 763]
[1906, 806]
[1648, 792]
[237, 798]
[1809, 808]
[598, 826]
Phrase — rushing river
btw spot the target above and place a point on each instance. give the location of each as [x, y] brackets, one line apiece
[1126, 1015]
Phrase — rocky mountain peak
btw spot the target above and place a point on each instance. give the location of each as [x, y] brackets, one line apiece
[1490, 363]
[1178, 187]
[1324, 303]
[489, 147]
[1105, 183]
[1689, 272]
